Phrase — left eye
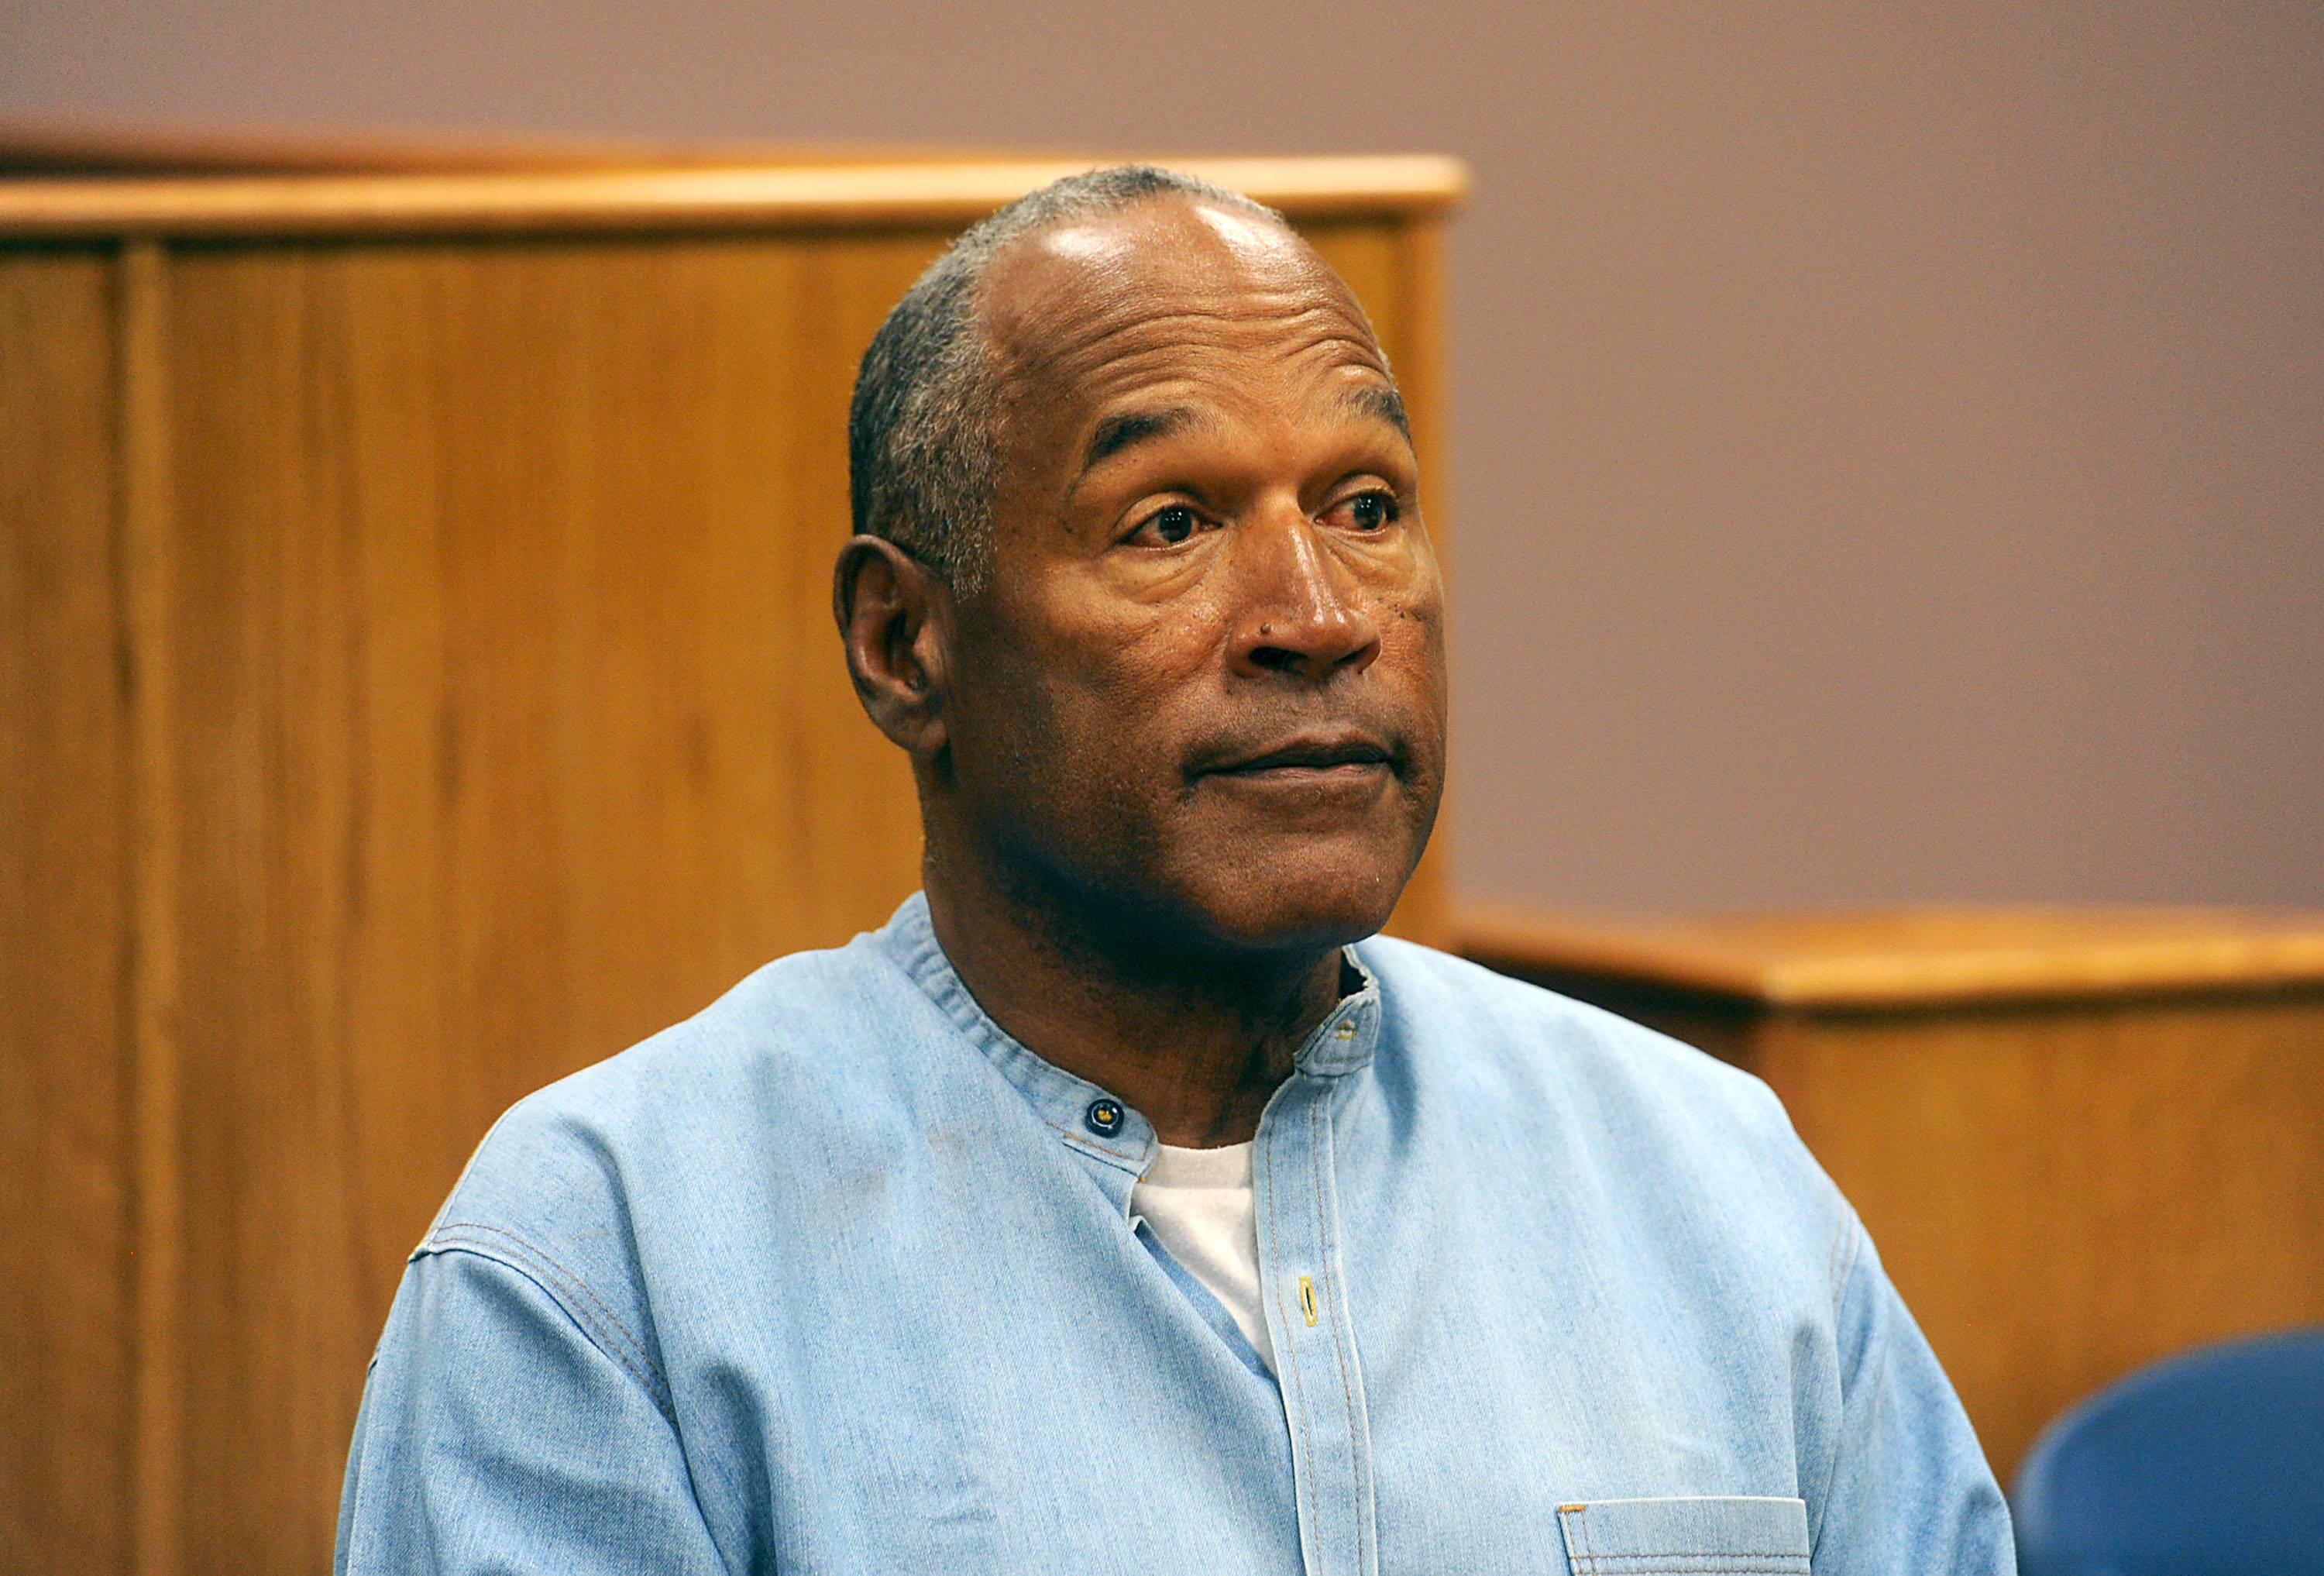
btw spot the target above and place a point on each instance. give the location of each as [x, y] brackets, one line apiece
[1369, 511]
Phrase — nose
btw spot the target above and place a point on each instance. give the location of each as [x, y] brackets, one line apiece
[1301, 611]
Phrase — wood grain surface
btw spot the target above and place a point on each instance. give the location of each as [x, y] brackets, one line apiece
[68, 1183]
[1914, 957]
[2063, 1193]
[51, 147]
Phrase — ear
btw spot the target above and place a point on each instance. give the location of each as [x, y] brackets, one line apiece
[893, 614]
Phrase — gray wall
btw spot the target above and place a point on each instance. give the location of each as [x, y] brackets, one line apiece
[1889, 443]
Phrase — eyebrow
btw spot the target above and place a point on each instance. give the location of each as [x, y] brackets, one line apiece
[1130, 427]
[1381, 403]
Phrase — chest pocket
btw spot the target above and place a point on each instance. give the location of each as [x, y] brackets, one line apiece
[1686, 1537]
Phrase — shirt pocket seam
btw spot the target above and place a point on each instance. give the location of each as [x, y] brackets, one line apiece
[1587, 1553]
[1754, 1561]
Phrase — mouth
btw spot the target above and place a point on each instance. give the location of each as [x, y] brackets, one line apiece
[1308, 758]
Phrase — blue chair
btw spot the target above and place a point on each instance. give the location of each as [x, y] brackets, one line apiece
[2206, 1464]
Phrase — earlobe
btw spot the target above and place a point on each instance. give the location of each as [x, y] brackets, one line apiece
[889, 609]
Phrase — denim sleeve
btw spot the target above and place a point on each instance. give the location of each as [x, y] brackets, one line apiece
[1910, 1492]
[497, 1434]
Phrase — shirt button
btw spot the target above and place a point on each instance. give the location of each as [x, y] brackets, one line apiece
[1103, 1118]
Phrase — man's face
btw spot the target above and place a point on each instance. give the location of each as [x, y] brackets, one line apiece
[1204, 688]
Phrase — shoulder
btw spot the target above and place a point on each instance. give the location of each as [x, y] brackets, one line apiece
[574, 1182]
[1488, 1027]
[1660, 1129]
[682, 1087]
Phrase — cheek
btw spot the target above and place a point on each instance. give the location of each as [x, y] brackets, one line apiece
[1413, 634]
[1126, 662]
[1122, 713]
[1080, 722]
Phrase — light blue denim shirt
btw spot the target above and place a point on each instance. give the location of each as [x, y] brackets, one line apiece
[836, 1276]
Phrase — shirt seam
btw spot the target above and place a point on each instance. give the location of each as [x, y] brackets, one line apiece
[1325, 1214]
[919, 957]
[603, 1327]
[1845, 1275]
[1303, 1483]
[1128, 1161]
[1764, 1560]
[1846, 1244]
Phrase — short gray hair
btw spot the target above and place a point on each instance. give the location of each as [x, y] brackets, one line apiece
[922, 450]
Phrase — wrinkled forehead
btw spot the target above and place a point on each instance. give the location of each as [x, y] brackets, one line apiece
[1162, 278]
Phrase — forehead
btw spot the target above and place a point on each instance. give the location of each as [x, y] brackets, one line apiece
[1090, 308]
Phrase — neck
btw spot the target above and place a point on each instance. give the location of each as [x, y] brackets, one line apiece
[1194, 1041]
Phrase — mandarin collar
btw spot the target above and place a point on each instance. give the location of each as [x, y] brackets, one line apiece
[1091, 1119]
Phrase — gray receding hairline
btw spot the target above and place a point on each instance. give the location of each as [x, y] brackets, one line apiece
[922, 449]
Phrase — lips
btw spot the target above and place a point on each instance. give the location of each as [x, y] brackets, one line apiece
[1304, 753]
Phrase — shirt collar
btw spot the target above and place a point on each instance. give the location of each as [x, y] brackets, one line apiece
[1341, 1044]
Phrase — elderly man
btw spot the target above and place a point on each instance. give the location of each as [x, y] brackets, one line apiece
[1119, 1207]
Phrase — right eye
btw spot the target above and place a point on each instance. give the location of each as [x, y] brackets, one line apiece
[1167, 527]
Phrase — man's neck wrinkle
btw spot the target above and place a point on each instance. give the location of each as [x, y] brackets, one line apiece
[1199, 1059]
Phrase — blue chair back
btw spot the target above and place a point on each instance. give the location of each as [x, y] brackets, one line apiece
[2206, 1464]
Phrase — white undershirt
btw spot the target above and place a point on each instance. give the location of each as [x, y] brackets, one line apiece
[1198, 1203]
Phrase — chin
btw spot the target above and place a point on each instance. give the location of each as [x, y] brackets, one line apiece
[1312, 900]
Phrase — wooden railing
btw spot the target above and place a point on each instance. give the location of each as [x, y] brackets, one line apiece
[2080, 1140]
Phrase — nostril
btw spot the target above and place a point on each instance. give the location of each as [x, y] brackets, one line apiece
[1275, 659]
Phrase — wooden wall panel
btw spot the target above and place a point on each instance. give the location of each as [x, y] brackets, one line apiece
[67, 1300]
[2063, 1194]
[420, 683]
[510, 726]
[509, 691]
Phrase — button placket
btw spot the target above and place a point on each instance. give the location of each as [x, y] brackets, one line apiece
[1314, 1341]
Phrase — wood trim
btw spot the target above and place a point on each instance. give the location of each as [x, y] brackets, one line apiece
[65, 149]
[598, 202]
[1909, 958]
[148, 591]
